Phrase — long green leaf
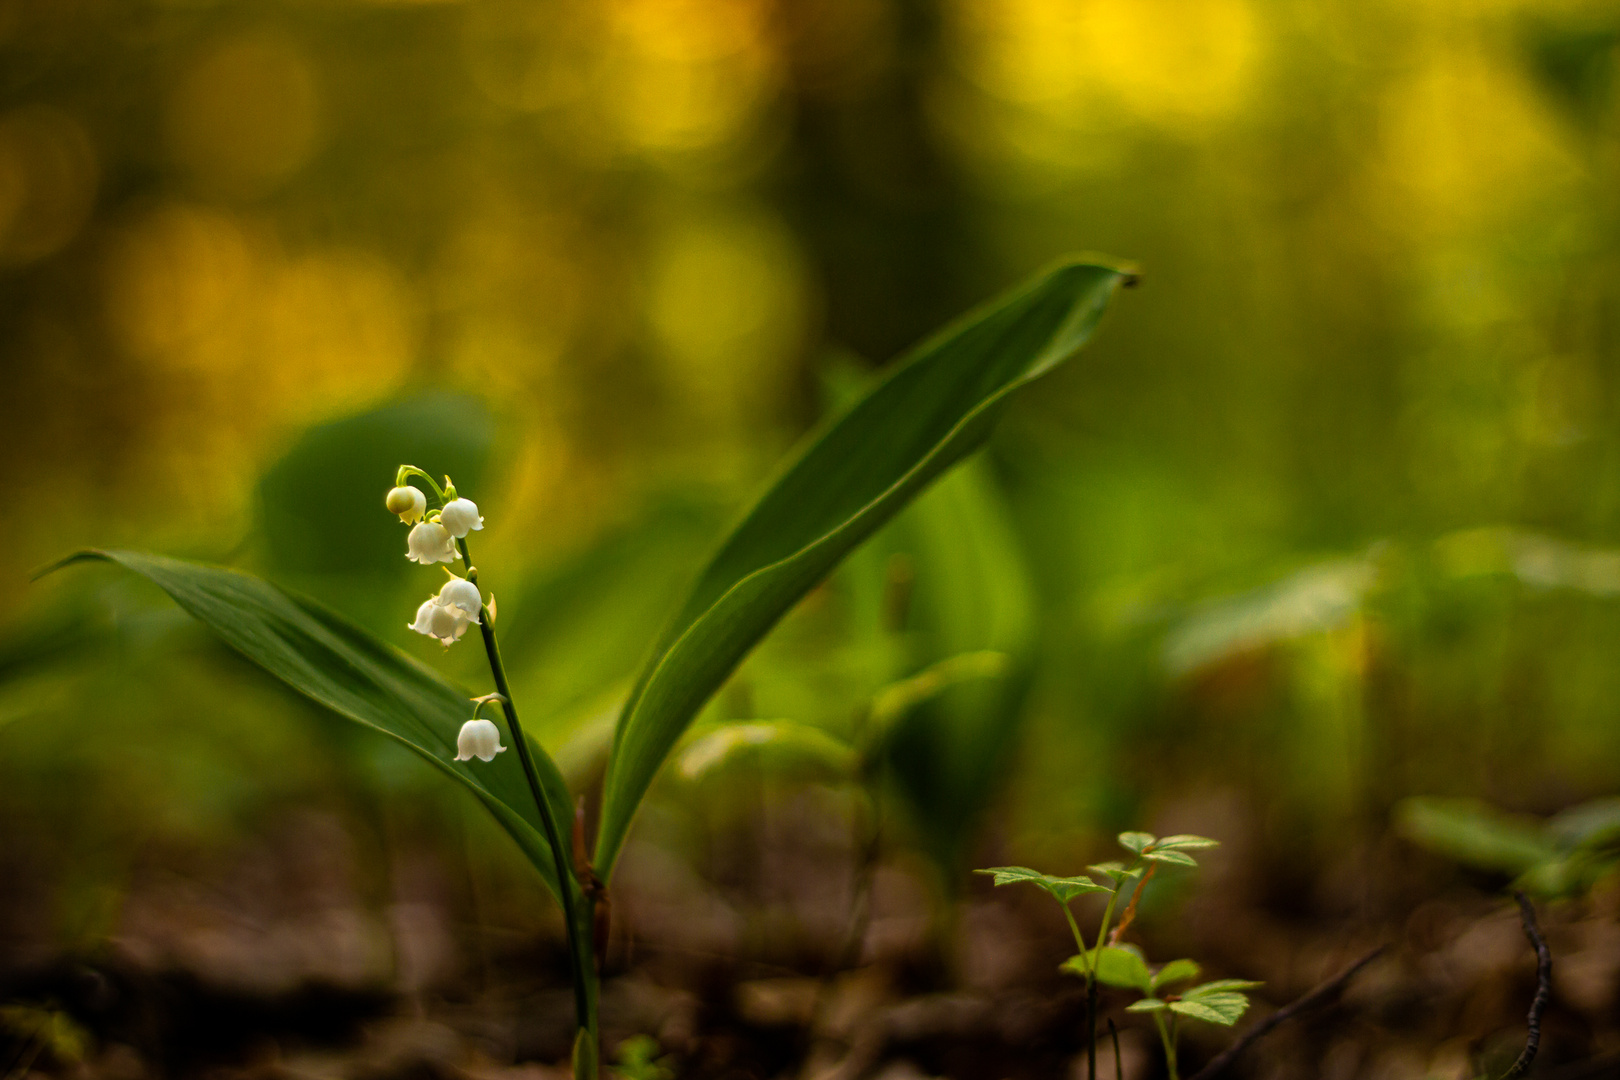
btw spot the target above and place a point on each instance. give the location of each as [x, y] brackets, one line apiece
[939, 405]
[328, 659]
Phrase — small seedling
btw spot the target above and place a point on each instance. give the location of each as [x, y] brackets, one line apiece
[1113, 964]
[639, 1059]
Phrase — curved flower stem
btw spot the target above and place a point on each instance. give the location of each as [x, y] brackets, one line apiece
[408, 471]
[578, 950]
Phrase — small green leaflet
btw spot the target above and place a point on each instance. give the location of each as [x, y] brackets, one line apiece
[1114, 871]
[1145, 1005]
[1123, 966]
[1174, 858]
[1217, 1002]
[1220, 986]
[1175, 971]
[1184, 842]
[1064, 888]
[1135, 842]
[1226, 1009]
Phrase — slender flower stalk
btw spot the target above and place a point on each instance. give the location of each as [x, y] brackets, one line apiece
[439, 535]
[584, 1000]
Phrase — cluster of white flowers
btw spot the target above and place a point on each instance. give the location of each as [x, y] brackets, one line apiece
[433, 539]
[446, 615]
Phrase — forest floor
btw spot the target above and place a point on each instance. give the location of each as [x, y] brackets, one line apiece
[275, 963]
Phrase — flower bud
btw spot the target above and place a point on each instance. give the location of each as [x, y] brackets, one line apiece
[429, 542]
[409, 503]
[479, 739]
[436, 620]
[460, 596]
[460, 516]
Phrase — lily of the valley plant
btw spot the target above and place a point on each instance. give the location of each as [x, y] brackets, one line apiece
[937, 406]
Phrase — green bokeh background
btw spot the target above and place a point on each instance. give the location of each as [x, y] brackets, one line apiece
[1326, 516]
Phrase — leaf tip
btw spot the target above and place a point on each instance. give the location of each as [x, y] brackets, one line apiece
[83, 555]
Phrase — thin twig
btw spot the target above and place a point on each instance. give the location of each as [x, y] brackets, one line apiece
[1284, 1014]
[1538, 1005]
[1130, 909]
[1119, 1066]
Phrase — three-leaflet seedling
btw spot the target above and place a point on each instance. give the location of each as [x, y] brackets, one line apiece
[1108, 961]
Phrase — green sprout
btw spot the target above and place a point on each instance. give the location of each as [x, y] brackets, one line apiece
[1108, 962]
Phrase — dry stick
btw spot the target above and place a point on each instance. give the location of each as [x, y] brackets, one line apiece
[1538, 1005]
[1130, 909]
[1284, 1014]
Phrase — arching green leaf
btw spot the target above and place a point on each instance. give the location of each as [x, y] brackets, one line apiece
[937, 406]
[335, 663]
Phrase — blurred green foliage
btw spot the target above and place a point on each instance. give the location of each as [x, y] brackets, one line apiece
[1327, 518]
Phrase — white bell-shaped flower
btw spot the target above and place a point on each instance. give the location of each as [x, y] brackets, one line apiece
[409, 503]
[460, 516]
[479, 739]
[437, 620]
[461, 595]
[429, 542]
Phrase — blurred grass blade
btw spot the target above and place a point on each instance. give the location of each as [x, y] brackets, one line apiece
[328, 659]
[939, 405]
[785, 744]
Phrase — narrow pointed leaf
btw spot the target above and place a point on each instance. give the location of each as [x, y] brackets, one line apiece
[335, 663]
[1174, 858]
[938, 406]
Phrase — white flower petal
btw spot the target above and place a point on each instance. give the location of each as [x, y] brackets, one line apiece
[463, 596]
[423, 615]
[429, 542]
[406, 501]
[446, 623]
[460, 516]
[479, 738]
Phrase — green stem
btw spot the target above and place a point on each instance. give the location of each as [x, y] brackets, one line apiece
[1167, 1036]
[1102, 932]
[581, 951]
[1080, 942]
[1091, 992]
[408, 471]
[1091, 976]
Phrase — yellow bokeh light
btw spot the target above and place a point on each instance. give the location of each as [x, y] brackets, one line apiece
[727, 307]
[246, 115]
[47, 182]
[173, 277]
[245, 340]
[1169, 62]
[1464, 140]
[683, 75]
